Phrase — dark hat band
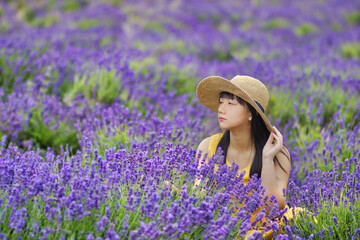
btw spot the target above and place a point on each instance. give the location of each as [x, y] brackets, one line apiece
[262, 109]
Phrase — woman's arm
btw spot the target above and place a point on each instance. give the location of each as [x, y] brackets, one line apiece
[273, 177]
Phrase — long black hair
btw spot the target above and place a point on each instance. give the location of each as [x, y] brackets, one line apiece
[259, 135]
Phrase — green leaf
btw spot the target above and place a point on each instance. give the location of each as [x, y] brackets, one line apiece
[305, 29]
[275, 23]
[350, 50]
[85, 24]
[353, 17]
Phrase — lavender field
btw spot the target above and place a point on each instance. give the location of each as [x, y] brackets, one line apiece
[98, 110]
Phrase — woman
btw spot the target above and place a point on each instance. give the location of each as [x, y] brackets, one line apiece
[249, 140]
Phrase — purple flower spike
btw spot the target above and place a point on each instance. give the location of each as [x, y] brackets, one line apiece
[255, 235]
[102, 224]
[356, 234]
[335, 221]
[90, 237]
[3, 236]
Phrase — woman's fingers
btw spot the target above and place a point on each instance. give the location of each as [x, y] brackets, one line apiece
[278, 135]
[278, 142]
[277, 132]
[273, 145]
[271, 138]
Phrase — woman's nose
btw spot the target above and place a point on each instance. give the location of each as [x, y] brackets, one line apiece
[221, 108]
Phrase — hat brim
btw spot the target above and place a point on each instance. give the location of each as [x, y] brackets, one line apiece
[209, 89]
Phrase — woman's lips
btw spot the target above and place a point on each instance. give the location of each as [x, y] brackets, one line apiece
[222, 119]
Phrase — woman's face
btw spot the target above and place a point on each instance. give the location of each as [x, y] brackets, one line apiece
[233, 115]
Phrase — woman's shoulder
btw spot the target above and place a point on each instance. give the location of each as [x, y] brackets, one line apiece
[204, 144]
[209, 144]
[202, 150]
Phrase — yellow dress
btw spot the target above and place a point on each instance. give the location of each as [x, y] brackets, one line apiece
[214, 140]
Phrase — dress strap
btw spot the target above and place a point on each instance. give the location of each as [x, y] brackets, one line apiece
[214, 141]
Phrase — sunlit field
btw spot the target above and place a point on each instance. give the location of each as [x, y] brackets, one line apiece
[99, 111]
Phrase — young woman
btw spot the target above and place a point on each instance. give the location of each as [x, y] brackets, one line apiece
[249, 140]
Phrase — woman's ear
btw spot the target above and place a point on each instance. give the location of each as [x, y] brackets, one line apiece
[250, 118]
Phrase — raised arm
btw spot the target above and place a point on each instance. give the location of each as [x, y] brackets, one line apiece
[273, 177]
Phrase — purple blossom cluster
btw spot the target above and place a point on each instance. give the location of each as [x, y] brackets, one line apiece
[98, 110]
[65, 190]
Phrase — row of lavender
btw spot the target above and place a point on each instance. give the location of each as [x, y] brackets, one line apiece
[98, 105]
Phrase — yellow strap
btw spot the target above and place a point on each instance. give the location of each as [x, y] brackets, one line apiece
[214, 141]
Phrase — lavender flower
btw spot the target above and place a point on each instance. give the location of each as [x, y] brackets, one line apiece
[102, 224]
[356, 234]
[90, 237]
[335, 221]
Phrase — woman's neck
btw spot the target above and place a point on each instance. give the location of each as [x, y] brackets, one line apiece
[240, 140]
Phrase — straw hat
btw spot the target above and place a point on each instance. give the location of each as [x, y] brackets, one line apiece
[248, 88]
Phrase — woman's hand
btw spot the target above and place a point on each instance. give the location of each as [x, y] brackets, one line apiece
[273, 145]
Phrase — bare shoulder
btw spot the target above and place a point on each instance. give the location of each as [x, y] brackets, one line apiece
[204, 144]
[202, 149]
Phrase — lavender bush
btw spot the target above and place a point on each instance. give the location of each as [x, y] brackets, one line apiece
[98, 112]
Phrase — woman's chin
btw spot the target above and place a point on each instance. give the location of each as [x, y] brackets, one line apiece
[222, 126]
